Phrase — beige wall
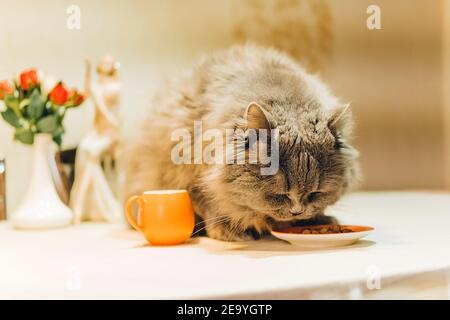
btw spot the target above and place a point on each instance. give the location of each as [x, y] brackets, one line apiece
[392, 77]
[446, 87]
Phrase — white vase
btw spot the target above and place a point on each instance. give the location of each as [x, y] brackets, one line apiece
[41, 207]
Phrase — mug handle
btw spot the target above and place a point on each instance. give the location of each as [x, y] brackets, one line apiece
[129, 214]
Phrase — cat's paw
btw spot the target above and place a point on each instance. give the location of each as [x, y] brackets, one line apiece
[226, 233]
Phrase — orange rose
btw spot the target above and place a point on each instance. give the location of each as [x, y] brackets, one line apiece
[79, 99]
[59, 95]
[5, 89]
[28, 78]
[76, 98]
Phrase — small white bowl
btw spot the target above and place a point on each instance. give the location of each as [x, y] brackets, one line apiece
[295, 236]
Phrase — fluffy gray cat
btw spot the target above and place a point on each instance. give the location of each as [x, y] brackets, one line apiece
[249, 87]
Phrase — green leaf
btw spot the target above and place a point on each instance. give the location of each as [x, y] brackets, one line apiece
[58, 135]
[24, 103]
[59, 130]
[25, 136]
[48, 124]
[37, 105]
[10, 117]
[57, 139]
[12, 102]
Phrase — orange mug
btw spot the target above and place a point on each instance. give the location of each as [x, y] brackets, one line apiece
[165, 217]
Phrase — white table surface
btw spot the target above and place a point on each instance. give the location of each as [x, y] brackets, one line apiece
[409, 252]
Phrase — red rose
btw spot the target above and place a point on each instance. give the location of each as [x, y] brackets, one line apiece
[5, 89]
[59, 95]
[28, 78]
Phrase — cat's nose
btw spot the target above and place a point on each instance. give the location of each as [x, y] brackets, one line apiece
[296, 209]
[295, 212]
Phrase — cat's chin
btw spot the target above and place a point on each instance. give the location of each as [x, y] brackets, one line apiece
[276, 218]
[301, 221]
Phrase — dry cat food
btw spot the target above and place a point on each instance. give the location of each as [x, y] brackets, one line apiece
[326, 230]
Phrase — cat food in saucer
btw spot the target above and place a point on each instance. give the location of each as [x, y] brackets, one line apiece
[325, 229]
[322, 236]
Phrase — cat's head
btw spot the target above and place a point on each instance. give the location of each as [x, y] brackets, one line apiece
[316, 164]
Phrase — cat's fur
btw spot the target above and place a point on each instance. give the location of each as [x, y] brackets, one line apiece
[317, 163]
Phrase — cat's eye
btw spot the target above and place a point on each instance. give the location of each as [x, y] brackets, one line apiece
[247, 141]
[339, 145]
[313, 196]
[276, 197]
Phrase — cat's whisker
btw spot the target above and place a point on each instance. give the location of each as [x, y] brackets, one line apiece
[211, 224]
[210, 219]
[232, 228]
[235, 230]
[217, 221]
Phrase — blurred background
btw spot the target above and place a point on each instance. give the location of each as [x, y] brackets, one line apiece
[397, 79]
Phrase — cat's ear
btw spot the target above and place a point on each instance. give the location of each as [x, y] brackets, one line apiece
[339, 116]
[255, 117]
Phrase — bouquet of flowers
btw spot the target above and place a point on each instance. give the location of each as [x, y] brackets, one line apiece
[32, 108]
